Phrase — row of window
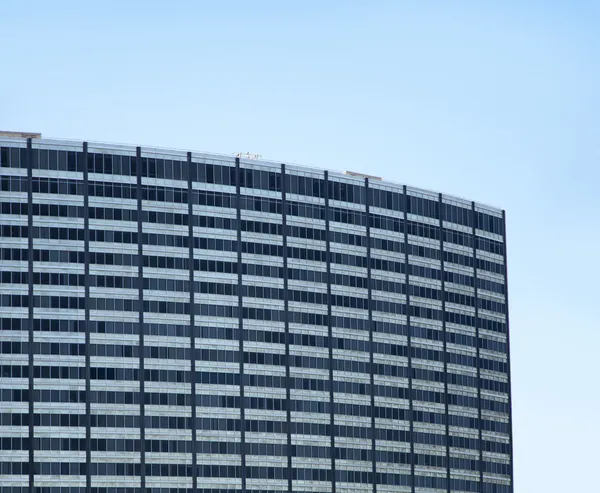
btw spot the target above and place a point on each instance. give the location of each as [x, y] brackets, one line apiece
[179, 376]
[203, 243]
[252, 291]
[269, 381]
[46, 278]
[225, 424]
[298, 362]
[111, 350]
[311, 297]
[271, 337]
[225, 471]
[220, 401]
[205, 265]
[132, 374]
[165, 352]
[267, 403]
[483, 488]
[258, 204]
[350, 344]
[227, 333]
[249, 313]
[128, 489]
[246, 225]
[249, 178]
[182, 263]
[257, 449]
[103, 258]
[208, 332]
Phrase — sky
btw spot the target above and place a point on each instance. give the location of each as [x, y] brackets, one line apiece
[495, 101]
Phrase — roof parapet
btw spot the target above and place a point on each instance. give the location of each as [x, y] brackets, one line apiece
[20, 135]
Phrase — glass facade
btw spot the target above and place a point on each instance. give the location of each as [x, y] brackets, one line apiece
[183, 322]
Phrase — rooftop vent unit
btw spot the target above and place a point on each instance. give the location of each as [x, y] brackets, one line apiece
[362, 175]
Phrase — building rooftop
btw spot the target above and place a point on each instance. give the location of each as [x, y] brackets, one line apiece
[19, 137]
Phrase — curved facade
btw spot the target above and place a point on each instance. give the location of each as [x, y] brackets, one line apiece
[186, 322]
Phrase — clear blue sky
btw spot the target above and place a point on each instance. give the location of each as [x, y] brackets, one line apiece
[494, 101]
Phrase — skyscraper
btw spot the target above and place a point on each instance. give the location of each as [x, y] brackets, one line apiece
[187, 322]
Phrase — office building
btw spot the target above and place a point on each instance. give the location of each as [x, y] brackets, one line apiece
[182, 322]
